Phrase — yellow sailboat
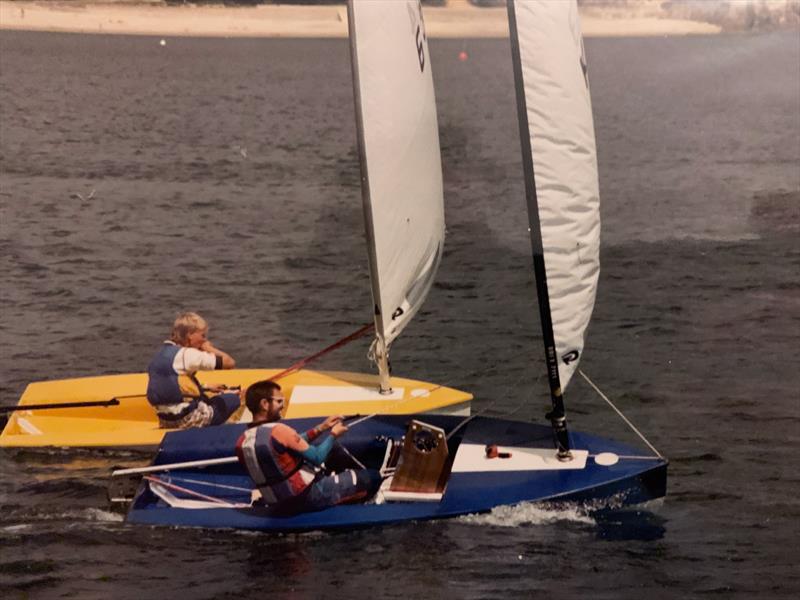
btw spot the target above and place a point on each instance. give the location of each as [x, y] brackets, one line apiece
[132, 422]
[402, 195]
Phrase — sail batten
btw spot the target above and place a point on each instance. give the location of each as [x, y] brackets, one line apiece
[400, 159]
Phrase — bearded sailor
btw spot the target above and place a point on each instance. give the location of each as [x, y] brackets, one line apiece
[287, 466]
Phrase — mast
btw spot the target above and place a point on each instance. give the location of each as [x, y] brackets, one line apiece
[378, 350]
[380, 355]
[557, 416]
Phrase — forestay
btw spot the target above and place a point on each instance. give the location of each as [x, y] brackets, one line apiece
[564, 160]
[400, 162]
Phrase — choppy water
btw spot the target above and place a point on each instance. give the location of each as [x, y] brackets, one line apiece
[137, 180]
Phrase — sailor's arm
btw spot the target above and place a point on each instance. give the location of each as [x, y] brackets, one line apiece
[224, 360]
[327, 424]
[317, 454]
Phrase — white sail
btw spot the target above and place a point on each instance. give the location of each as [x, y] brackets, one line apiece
[401, 168]
[564, 159]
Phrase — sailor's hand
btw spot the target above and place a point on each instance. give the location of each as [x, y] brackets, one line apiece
[217, 388]
[338, 429]
[209, 347]
[330, 422]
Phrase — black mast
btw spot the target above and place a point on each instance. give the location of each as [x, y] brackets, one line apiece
[557, 416]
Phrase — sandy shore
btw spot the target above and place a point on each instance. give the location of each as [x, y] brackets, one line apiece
[458, 19]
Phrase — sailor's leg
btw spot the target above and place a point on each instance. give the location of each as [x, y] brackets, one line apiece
[347, 487]
[224, 406]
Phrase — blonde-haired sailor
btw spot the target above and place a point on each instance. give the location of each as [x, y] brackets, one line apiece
[172, 388]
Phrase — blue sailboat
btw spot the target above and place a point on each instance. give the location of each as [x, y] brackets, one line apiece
[441, 466]
[218, 495]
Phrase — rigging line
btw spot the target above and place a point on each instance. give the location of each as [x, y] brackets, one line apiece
[353, 458]
[353, 424]
[517, 409]
[301, 363]
[524, 401]
[210, 484]
[460, 425]
[192, 492]
[491, 405]
[361, 420]
[471, 417]
[475, 374]
[624, 418]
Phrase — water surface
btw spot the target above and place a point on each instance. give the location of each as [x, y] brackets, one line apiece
[138, 180]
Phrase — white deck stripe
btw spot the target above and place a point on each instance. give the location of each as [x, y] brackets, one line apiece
[315, 394]
[28, 427]
[471, 458]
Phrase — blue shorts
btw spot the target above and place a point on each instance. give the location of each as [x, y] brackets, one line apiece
[224, 406]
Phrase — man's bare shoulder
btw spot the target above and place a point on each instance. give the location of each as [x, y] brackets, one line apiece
[286, 435]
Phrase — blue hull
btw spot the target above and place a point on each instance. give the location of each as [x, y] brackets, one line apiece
[629, 481]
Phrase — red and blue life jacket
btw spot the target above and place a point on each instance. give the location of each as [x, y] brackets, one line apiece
[279, 473]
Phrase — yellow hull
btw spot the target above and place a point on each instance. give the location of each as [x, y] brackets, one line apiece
[133, 424]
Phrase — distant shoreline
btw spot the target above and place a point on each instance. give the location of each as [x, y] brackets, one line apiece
[456, 20]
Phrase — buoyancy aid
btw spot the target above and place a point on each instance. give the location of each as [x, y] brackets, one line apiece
[278, 473]
[174, 395]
